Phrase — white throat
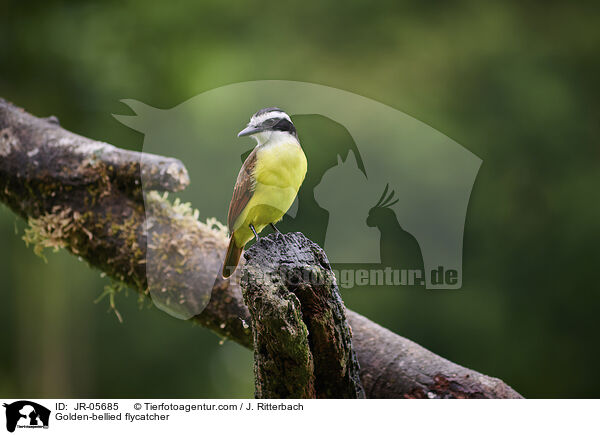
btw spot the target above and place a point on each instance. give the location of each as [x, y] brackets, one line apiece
[272, 137]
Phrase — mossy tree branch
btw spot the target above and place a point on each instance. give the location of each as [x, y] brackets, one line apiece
[302, 341]
[85, 196]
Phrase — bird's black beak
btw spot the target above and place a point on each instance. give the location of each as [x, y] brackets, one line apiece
[250, 130]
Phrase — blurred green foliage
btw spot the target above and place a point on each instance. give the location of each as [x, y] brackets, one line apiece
[516, 83]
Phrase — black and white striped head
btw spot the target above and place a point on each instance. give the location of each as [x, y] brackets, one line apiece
[267, 121]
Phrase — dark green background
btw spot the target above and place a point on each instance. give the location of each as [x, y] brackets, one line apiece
[516, 83]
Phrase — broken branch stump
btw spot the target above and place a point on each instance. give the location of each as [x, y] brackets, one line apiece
[302, 340]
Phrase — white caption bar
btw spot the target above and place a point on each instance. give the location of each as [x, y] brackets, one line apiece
[298, 416]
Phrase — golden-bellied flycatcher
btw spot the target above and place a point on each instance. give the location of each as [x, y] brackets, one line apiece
[267, 183]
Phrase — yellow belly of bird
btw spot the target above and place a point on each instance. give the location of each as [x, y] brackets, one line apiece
[279, 173]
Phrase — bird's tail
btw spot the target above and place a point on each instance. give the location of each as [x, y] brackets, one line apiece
[232, 258]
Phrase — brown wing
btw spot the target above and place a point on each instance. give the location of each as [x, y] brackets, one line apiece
[243, 190]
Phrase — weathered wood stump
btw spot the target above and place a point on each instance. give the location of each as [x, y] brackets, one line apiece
[302, 340]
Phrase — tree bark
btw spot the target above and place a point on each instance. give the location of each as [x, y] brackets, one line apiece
[302, 341]
[85, 196]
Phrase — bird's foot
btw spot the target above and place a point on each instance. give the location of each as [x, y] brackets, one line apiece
[255, 233]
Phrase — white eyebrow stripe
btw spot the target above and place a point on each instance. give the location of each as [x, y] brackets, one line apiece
[261, 118]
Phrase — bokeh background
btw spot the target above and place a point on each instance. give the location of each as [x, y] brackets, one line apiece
[516, 83]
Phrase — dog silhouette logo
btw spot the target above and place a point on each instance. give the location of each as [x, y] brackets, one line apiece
[356, 148]
[26, 414]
